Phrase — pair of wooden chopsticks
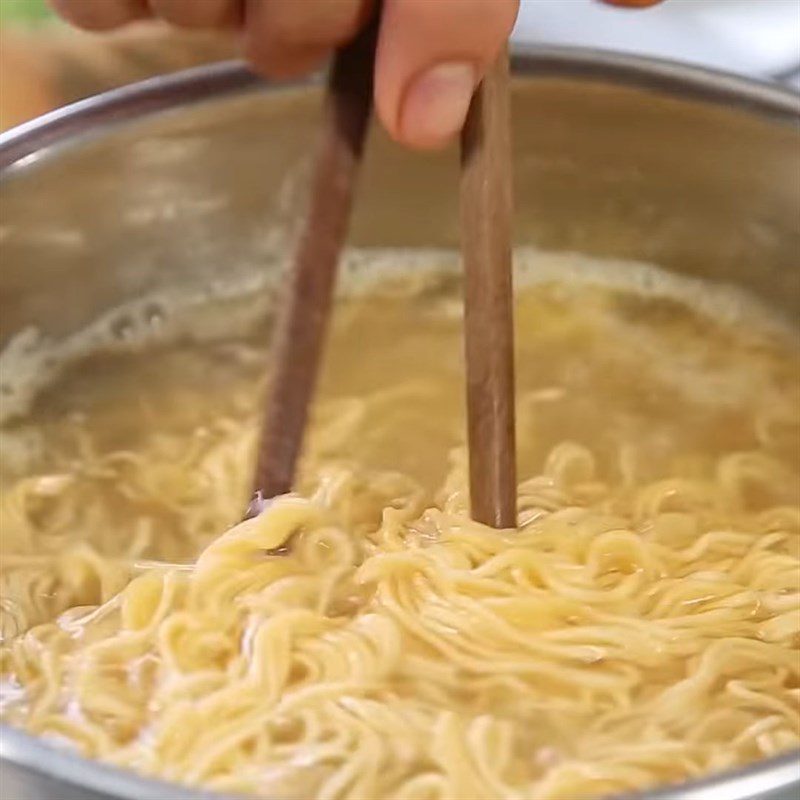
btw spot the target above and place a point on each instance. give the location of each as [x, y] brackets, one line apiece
[486, 234]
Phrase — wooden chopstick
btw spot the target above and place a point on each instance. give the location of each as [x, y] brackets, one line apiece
[486, 209]
[302, 319]
[486, 235]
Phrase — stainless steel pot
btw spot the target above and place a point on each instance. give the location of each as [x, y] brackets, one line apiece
[173, 183]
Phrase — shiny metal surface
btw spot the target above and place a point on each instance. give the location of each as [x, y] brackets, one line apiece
[193, 180]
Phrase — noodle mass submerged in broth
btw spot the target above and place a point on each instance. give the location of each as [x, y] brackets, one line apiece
[640, 627]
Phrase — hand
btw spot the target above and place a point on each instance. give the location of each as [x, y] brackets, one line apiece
[431, 53]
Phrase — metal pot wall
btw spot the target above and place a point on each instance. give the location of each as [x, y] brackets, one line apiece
[189, 180]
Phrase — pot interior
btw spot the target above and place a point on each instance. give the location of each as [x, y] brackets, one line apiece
[203, 200]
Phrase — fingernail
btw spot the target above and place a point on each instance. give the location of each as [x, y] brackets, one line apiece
[436, 104]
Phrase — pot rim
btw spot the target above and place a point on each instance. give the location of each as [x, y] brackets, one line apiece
[28, 141]
[31, 141]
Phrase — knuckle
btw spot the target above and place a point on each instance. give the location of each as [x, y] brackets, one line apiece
[194, 14]
[497, 17]
[284, 27]
[275, 60]
[312, 22]
[345, 27]
[260, 55]
[85, 16]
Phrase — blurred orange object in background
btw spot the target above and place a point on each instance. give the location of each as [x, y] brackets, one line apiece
[26, 81]
[49, 65]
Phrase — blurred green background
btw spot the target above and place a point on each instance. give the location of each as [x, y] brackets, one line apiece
[24, 12]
